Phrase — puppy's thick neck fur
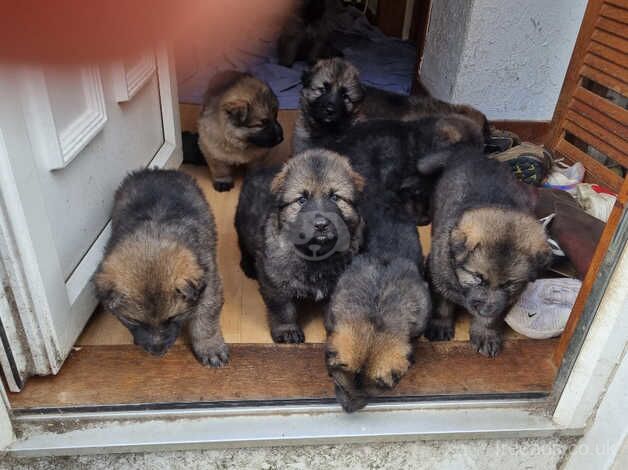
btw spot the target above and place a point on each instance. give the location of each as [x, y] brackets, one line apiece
[310, 279]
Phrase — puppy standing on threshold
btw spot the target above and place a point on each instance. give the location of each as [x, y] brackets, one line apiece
[486, 246]
[159, 272]
[238, 124]
[379, 308]
[298, 229]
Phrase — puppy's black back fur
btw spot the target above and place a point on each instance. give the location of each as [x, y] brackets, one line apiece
[169, 200]
[387, 153]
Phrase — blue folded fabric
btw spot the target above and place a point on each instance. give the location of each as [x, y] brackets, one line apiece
[383, 62]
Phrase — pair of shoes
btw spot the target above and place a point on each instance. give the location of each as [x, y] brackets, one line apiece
[529, 162]
[544, 307]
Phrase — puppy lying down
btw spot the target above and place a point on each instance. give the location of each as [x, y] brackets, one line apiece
[381, 305]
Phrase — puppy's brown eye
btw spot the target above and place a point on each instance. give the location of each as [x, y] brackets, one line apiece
[327, 86]
[264, 122]
[334, 197]
[302, 200]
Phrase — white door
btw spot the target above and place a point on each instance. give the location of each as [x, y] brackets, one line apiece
[68, 136]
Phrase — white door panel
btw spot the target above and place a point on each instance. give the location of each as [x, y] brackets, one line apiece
[57, 199]
[78, 197]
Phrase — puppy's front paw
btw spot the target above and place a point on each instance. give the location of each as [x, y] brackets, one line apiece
[440, 330]
[222, 186]
[389, 360]
[488, 343]
[287, 334]
[214, 356]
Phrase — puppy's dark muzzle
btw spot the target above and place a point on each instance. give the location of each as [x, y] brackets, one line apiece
[156, 349]
[482, 308]
[329, 109]
[156, 341]
[268, 137]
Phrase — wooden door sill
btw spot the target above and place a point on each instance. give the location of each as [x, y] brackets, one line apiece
[123, 376]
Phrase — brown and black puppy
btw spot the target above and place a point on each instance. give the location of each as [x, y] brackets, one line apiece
[238, 124]
[486, 246]
[159, 272]
[380, 306]
[400, 156]
[305, 35]
[333, 99]
[298, 229]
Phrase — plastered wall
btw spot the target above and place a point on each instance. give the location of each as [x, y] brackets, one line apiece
[505, 57]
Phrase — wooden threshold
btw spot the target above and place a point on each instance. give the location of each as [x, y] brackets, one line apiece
[100, 376]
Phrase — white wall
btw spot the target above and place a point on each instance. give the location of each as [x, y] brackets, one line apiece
[443, 46]
[506, 57]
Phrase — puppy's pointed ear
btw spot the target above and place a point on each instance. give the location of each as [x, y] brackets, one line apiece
[190, 290]
[306, 78]
[107, 293]
[458, 243]
[434, 162]
[358, 180]
[448, 132]
[542, 259]
[237, 111]
[278, 181]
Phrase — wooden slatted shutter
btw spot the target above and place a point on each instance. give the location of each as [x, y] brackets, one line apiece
[590, 124]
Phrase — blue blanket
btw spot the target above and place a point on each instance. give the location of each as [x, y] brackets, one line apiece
[383, 62]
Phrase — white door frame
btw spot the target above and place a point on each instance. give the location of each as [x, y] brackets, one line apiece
[27, 319]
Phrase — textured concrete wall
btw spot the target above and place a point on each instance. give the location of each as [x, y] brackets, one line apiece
[543, 454]
[444, 45]
[513, 55]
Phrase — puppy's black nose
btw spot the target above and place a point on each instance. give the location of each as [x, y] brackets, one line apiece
[156, 349]
[477, 304]
[321, 223]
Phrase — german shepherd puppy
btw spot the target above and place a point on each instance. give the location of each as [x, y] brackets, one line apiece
[390, 154]
[333, 99]
[298, 229]
[306, 33]
[380, 306]
[486, 246]
[159, 272]
[237, 125]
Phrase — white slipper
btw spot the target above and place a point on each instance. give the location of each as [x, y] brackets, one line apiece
[544, 307]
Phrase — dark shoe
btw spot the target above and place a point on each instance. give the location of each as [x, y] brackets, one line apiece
[529, 162]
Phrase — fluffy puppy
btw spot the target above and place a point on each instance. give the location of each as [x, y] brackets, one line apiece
[305, 35]
[237, 125]
[379, 307]
[333, 99]
[486, 246]
[389, 154]
[298, 229]
[159, 272]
